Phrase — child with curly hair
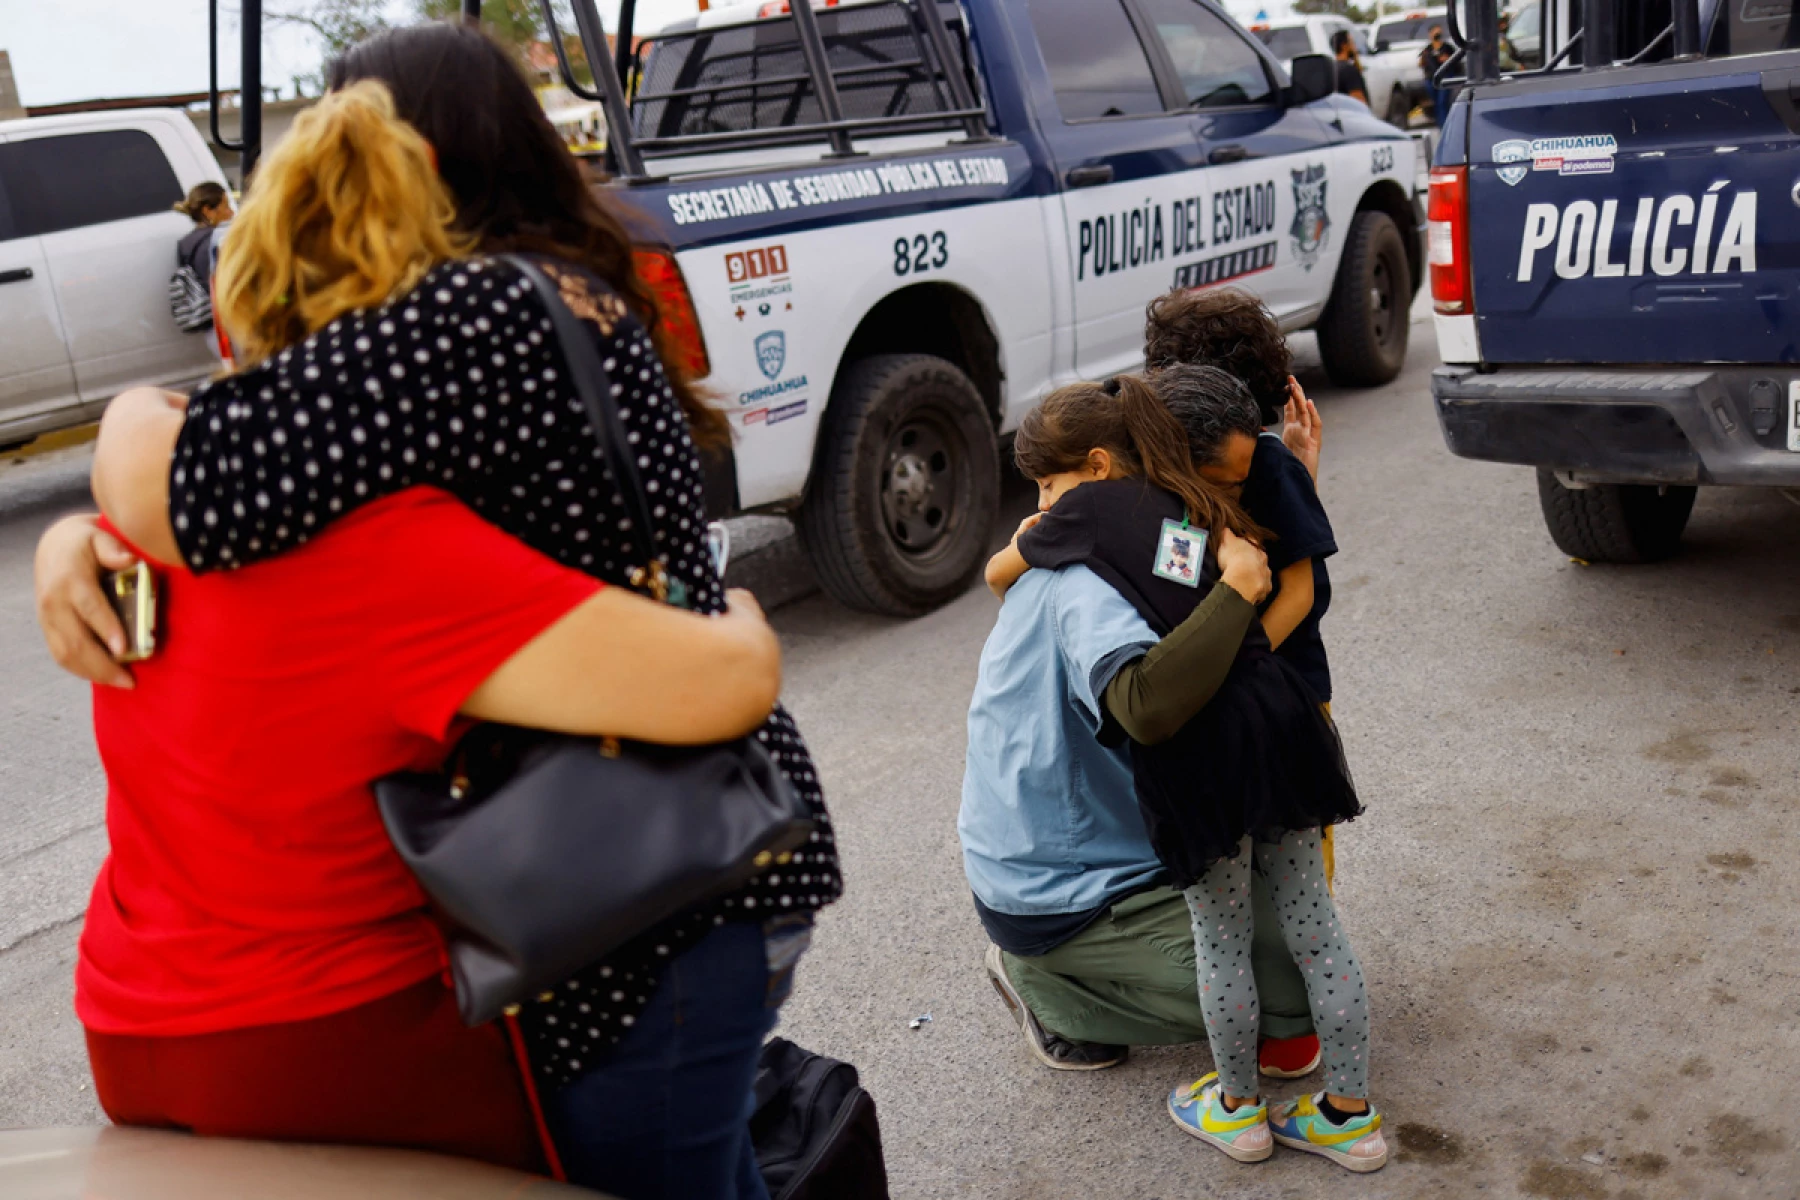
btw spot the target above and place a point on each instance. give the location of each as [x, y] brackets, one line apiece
[1231, 330]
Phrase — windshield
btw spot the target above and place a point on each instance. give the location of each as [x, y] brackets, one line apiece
[1285, 44]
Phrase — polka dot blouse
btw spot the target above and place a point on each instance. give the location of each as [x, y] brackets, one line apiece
[460, 384]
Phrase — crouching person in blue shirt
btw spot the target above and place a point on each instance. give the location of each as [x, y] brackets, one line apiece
[1093, 951]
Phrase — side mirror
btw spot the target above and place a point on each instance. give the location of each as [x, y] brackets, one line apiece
[1381, 46]
[1315, 77]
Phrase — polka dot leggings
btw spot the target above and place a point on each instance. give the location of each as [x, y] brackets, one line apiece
[1294, 869]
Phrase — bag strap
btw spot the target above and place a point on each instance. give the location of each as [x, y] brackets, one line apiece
[595, 386]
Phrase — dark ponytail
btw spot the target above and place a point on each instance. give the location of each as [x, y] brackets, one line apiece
[1125, 417]
[1163, 458]
[517, 187]
[200, 197]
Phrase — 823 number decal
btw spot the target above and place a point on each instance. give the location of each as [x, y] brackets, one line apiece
[921, 252]
[1381, 160]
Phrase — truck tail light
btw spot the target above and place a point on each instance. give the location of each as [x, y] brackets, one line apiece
[1448, 214]
[681, 325]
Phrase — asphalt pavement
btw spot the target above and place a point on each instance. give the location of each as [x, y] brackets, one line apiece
[1573, 892]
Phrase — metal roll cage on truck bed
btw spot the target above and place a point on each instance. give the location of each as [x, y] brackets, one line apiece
[1614, 261]
[624, 150]
[881, 230]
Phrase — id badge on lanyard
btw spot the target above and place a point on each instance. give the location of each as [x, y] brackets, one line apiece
[1179, 553]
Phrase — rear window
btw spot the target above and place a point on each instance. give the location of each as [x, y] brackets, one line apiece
[1755, 27]
[1285, 44]
[1415, 29]
[79, 179]
[879, 45]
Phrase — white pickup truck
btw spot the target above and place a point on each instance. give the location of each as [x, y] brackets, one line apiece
[1288, 40]
[87, 245]
[1397, 40]
[881, 264]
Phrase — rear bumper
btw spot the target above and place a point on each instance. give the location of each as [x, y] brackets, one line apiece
[1713, 425]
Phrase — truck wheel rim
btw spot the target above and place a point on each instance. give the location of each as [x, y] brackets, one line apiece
[1381, 301]
[918, 485]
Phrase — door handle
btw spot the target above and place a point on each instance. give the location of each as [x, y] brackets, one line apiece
[1227, 154]
[1089, 176]
[18, 276]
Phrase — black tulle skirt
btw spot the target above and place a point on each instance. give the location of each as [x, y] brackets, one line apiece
[1261, 758]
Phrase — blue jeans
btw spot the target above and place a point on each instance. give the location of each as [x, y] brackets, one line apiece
[667, 1114]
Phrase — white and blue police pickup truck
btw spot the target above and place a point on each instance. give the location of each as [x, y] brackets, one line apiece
[1614, 259]
[885, 228]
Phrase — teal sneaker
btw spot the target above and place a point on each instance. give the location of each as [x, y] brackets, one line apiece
[1356, 1145]
[1200, 1110]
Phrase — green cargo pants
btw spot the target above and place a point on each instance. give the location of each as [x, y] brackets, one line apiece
[1128, 979]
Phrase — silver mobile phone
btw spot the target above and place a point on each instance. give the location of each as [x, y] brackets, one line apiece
[132, 593]
[718, 542]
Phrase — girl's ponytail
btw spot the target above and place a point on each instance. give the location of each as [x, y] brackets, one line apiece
[1161, 446]
[200, 197]
[346, 212]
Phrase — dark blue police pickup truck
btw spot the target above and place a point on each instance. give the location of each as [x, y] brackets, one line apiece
[1615, 253]
[886, 227]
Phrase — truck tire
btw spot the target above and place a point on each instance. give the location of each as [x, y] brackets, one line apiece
[1399, 108]
[1615, 522]
[1362, 334]
[905, 486]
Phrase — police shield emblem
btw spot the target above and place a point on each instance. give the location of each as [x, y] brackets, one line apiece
[1311, 229]
[1515, 151]
[771, 353]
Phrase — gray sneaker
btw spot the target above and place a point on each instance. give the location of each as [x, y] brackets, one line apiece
[1057, 1053]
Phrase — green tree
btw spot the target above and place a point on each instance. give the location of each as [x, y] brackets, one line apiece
[336, 24]
[516, 25]
[1359, 14]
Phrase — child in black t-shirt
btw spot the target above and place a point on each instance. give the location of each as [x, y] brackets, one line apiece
[1231, 330]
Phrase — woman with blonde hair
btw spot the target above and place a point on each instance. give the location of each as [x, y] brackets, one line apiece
[348, 214]
[646, 1058]
[256, 960]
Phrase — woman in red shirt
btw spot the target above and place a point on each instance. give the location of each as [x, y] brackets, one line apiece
[256, 960]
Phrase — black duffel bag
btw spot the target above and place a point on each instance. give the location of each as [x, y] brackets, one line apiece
[815, 1130]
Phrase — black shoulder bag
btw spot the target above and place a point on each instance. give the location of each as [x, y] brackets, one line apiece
[543, 853]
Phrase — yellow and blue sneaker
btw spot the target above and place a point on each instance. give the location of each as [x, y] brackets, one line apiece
[1356, 1145]
[1242, 1133]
